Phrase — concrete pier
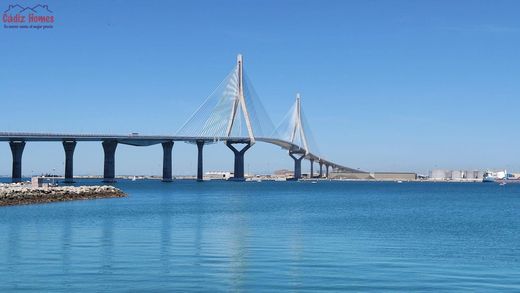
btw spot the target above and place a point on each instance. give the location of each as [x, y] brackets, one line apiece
[297, 163]
[238, 174]
[69, 147]
[109, 146]
[321, 170]
[17, 151]
[167, 161]
[200, 147]
[327, 171]
[311, 175]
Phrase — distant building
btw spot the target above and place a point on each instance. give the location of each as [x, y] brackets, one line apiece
[383, 176]
[218, 175]
[439, 174]
[36, 182]
[408, 176]
[455, 175]
[284, 173]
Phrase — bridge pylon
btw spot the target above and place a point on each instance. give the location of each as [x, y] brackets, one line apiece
[239, 103]
[298, 138]
[297, 129]
[232, 113]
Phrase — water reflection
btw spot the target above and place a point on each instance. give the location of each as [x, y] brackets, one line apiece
[13, 242]
[269, 237]
[66, 243]
[107, 242]
[295, 248]
[238, 250]
[166, 233]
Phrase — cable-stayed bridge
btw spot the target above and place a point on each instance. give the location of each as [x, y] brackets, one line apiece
[232, 113]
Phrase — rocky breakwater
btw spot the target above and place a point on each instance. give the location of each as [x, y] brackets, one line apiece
[23, 193]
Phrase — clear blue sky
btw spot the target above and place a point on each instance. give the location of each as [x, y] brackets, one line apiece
[386, 85]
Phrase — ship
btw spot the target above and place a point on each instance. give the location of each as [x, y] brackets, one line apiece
[499, 177]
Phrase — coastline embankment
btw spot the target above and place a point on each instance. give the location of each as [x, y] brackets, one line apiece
[24, 193]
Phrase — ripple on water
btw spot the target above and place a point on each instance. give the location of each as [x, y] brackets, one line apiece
[266, 236]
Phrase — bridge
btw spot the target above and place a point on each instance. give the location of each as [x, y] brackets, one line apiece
[232, 114]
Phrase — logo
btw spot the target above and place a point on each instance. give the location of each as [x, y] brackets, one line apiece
[19, 17]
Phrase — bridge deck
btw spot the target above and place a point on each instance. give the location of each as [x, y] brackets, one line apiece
[147, 140]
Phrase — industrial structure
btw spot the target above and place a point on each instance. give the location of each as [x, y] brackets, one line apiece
[456, 175]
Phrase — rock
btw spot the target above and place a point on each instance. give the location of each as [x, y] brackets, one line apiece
[23, 193]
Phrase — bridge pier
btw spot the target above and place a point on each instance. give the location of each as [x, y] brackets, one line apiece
[17, 151]
[167, 161]
[297, 163]
[321, 170]
[312, 169]
[109, 146]
[238, 174]
[200, 146]
[327, 171]
[69, 147]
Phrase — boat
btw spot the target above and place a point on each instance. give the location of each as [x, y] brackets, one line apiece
[490, 176]
[500, 177]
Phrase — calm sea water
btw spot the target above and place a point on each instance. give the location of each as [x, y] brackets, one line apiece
[268, 236]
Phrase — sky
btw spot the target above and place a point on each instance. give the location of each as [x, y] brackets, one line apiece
[385, 85]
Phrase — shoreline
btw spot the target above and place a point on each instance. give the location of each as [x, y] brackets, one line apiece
[23, 194]
[251, 179]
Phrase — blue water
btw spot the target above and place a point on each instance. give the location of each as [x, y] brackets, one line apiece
[269, 236]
